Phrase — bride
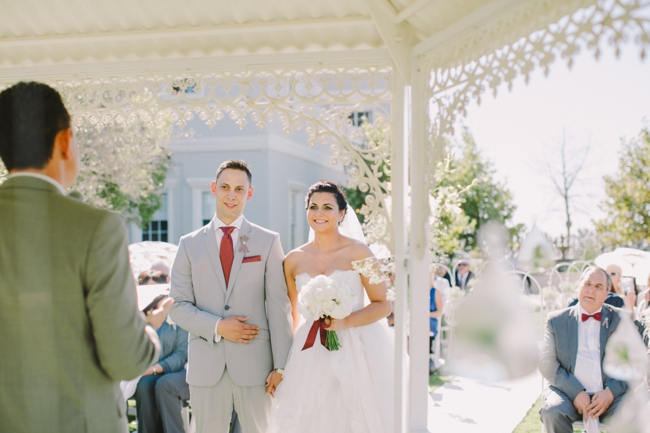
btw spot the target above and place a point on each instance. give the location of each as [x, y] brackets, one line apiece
[348, 390]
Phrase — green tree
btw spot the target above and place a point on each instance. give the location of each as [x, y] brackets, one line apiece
[447, 221]
[627, 206]
[483, 197]
[123, 166]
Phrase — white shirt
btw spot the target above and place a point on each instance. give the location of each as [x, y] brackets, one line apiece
[40, 176]
[234, 234]
[219, 235]
[588, 368]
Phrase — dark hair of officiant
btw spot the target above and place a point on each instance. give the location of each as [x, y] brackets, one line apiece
[31, 114]
[332, 188]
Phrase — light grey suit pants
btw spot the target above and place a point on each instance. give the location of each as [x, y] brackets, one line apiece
[213, 406]
[558, 413]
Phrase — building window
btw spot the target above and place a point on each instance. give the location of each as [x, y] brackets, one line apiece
[157, 229]
[207, 207]
[358, 118]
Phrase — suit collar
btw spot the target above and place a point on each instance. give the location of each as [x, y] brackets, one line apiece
[34, 181]
[608, 322]
[210, 242]
[213, 252]
[574, 317]
[240, 251]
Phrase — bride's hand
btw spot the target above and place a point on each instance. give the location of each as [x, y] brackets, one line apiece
[337, 324]
[272, 381]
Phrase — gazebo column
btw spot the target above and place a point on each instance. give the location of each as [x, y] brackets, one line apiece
[399, 192]
[419, 256]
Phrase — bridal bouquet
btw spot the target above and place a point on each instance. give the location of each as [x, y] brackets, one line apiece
[322, 300]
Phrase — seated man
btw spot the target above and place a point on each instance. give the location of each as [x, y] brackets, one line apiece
[574, 344]
[162, 388]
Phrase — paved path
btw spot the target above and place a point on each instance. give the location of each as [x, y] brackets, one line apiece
[470, 406]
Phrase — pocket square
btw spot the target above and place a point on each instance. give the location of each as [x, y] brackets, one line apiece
[250, 259]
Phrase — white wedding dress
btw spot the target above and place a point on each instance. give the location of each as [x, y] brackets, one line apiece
[345, 391]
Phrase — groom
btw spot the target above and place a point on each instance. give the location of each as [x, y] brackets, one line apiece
[230, 294]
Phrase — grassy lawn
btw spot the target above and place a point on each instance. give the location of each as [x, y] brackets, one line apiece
[436, 380]
[531, 422]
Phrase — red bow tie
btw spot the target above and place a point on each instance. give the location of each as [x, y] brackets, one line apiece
[596, 316]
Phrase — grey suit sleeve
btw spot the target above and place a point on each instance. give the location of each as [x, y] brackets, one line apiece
[184, 310]
[551, 368]
[125, 345]
[178, 357]
[278, 307]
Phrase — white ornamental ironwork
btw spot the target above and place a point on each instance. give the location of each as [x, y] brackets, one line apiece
[318, 102]
[455, 80]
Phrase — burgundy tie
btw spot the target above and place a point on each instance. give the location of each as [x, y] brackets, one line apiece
[595, 316]
[226, 253]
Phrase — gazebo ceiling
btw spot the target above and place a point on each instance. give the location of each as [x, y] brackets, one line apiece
[63, 38]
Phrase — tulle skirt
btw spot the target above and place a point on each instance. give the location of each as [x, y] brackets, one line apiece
[345, 391]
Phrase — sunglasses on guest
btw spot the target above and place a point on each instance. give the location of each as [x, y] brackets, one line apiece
[155, 276]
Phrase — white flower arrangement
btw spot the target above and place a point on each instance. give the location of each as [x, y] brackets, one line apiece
[321, 300]
[321, 297]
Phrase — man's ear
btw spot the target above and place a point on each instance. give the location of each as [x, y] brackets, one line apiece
[213, 187]
[63, 143]
[250, 192]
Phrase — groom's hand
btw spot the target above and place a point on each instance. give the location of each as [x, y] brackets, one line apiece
[236, 329]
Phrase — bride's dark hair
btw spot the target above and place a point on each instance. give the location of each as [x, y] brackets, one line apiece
[332, 188]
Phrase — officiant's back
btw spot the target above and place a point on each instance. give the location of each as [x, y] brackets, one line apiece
[69, 325]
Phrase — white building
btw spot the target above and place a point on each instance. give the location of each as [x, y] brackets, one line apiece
[283, 167]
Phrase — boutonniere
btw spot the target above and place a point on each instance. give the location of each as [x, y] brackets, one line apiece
[243, 247]
[606, 323]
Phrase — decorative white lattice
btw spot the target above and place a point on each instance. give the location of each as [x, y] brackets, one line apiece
[316, 101]
[455, 79]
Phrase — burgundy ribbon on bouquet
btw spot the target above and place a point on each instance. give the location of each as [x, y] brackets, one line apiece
[318, 325]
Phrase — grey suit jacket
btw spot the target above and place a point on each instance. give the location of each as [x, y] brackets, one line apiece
[70, 328]
[561, 346]
[256, 289]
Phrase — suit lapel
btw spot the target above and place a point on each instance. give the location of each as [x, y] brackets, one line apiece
[210, 241]
[572, 331]
[606, 324]
[244, 233]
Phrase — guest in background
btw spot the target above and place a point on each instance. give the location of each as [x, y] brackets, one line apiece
[436, 305]
[162, 388]
[627, 299]
[463, 274]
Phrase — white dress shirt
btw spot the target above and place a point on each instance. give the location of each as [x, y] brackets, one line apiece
[219, 236]
[588, 368]
[40, 176]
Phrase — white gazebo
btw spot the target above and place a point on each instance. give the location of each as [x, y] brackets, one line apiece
[308, 65]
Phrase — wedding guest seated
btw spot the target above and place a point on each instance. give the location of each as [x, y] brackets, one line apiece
[629, 296]
[613, 297]
[463, 274]
[162, 388]
[152, 276]
[572, 358]
[436, 304]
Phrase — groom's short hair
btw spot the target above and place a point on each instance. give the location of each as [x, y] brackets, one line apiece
[31, 114]
[236, 164]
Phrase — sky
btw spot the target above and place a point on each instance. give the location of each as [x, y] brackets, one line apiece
[595, 104]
